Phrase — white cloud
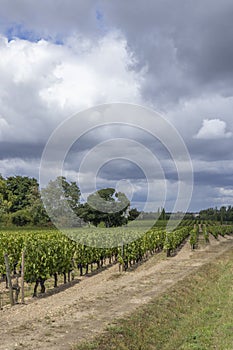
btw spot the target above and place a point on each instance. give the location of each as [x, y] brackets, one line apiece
[43, 83]
[226, 192]
[18, 166]
[100, 73]
[213, 129]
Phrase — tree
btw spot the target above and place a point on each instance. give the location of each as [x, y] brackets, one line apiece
[61, 200]
[36, 208]
[4, 203]
[105, 205]
[223, 212]
[163, 214]
[133, 214]
[18, 190]
[21, 217]
[20, 201]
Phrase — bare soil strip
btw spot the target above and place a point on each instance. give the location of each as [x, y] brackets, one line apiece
[84, 310]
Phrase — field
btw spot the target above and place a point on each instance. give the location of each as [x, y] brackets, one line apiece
[49, 253]
[193, 315]
[164, 301]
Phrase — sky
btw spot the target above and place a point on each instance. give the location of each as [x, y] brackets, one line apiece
[58, 58]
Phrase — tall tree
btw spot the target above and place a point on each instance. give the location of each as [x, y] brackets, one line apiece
[5, 204]
[36, 208]
[18, 191]
[105, 205]
[61, 199]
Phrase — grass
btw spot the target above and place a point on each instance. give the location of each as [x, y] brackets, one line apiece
[196, 314]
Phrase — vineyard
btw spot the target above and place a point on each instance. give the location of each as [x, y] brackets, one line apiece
[64, 315]
[49, 254]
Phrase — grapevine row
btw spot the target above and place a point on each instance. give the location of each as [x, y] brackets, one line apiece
[51, 253]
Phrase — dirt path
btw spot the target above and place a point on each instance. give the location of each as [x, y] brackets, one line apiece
[85, 309]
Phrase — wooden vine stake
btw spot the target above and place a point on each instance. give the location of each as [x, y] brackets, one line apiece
[8, 275]
[1, 299]
[22, 278]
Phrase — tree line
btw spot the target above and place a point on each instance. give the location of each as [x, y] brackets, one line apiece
[21, 204]
[224, 214]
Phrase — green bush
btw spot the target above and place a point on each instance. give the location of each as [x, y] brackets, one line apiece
[21, 217]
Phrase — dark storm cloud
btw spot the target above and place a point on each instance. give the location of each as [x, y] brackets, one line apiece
[187, 45]
[20, 150]
[120, 169]
[123, 168]
[215, 178]
[118, 131]
[210, 150]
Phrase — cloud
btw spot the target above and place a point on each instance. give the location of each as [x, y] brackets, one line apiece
[4, 127]
[88, 78]
[187, 48]
[175, 57]
[18, 166]
[48, 82]
[213, 129]
[43, 83]
[227, 192]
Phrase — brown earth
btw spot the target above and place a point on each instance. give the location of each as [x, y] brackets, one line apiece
[84, 310]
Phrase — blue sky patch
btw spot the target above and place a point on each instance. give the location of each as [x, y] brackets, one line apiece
[18, 31]
[99, 15]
